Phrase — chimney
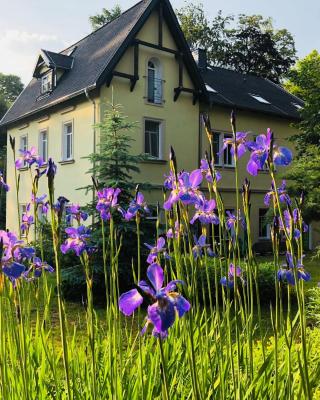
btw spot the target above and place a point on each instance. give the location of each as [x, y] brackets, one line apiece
[200, 57]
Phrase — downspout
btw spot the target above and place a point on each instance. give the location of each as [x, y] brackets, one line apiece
[94, 144]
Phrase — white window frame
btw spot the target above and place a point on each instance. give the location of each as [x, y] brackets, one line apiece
[267, 225]
[64, 155]
[47, 82]
[161, 136]
[24, 146]
[41, 132]
[158, 78]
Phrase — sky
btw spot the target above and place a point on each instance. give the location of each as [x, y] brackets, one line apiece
[29, 25]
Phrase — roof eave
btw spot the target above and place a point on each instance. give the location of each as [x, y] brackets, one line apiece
[47, 106]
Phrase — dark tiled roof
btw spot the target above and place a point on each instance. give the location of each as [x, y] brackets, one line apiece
[59, 60]
[233, 88]
[92, 55]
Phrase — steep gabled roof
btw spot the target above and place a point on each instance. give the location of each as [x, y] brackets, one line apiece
[91, 57]
[233, 89]
[94, 58]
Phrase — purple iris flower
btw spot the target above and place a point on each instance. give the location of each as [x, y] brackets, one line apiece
[234, 272]
[14, 254]
[288, 273]
[156, 250]
[239, 143]
[188, 189]
[27, 220]
[28, 158]
[107, 200]
[3, 183]
[282, 192]
[74, 212]
[138, 204]
[205, 211]
[41, 203]
[260, 151]
[77, 240]
[166, 302]
[189, 185]
[204, 167]
[231, 221]
[174, 233]
[201, 247]
[37, 266]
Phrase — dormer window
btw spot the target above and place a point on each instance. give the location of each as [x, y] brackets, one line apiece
[154, 81]
[46, 82]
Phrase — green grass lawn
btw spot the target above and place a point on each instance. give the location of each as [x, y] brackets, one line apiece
[76, 314]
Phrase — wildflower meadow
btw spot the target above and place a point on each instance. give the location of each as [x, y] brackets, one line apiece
[192, 325]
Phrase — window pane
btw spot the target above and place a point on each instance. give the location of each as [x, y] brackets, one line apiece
[67, 151]
[152, 138]
[263, 223]
[216, 147]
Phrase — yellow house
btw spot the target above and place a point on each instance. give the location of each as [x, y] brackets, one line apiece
[144, 58]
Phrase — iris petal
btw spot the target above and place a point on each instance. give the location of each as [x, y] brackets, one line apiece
[155, 275]
[129, 301]
[162, 316]
[182, 305]
[13, 271]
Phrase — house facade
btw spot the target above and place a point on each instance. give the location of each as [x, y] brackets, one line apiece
[141, 60]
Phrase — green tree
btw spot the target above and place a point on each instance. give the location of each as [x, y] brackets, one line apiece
[245, 43]
[104, 17]
[304, 82]
[10, 88]
[304, 176]
[114, 165]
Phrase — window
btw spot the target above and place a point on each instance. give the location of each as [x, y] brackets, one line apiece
[67, 141]
[228, 160]
[24, 145]
[43, 145]
[154, 77]
[152, 135]
[264, 226]
[46, 82]
[259, 98]
[217, 137]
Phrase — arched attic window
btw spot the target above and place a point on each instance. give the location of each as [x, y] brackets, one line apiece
[154, 81]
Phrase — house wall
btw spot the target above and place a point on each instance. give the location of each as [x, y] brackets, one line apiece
[180, 118]
[254, 124]
[71, 175]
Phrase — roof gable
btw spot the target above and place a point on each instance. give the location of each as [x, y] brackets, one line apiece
[94, 58]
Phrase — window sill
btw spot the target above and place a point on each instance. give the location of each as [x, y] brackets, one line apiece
[149, 103]
[23, 169]
[154, 161]
[64, 162]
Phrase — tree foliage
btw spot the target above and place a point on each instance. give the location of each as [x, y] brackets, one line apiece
[114, 165]
[10, 88]
[304, 175]
[104, 17]
[245, 43]
[304, 82]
